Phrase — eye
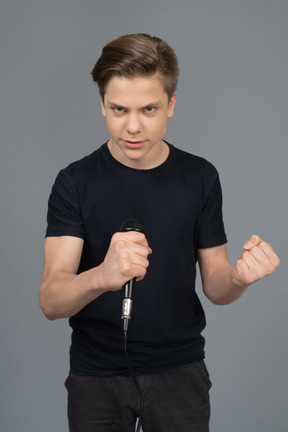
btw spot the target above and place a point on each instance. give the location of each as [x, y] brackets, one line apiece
[150, 109]
[118, 110]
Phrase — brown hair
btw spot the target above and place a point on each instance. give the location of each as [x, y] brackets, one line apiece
[137, 55]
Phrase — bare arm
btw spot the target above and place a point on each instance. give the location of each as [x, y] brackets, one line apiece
[63, 293]
[223, 283]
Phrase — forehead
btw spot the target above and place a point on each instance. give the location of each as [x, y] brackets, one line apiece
[139, 89]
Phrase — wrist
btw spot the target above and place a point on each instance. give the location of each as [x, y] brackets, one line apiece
[98, 285]
[237, 283]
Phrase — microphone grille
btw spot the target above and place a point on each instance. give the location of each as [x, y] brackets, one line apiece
[132, 225]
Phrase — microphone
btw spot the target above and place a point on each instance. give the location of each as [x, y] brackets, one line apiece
[129, 287]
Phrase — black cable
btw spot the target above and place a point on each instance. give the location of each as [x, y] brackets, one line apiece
[141, 399]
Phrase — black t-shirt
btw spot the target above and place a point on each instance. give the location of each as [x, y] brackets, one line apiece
[180, 205]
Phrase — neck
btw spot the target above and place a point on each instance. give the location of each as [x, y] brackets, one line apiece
[154, 158]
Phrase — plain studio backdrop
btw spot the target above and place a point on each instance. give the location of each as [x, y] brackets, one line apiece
[232, 108]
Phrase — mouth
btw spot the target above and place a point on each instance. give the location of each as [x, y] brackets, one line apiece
[133, 144]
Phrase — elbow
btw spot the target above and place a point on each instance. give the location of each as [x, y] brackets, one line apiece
[48, 315]
[221, 302]
[219, 297]
[222, 298]
[218, 301]
[47, 311]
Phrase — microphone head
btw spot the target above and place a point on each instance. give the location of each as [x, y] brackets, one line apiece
[132, 225]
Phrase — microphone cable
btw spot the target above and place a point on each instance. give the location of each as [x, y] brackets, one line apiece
[135, 379]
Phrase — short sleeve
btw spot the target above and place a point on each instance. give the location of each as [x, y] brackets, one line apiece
[211, 232]
[64, 209]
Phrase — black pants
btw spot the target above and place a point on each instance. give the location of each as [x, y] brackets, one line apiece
[175, 400]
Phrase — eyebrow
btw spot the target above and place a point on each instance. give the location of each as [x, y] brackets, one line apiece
[154, 103]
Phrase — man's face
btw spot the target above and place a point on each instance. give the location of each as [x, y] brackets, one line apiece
[136, 111]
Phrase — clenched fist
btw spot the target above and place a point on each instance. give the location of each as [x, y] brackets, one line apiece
[257, 261]
[127, 257]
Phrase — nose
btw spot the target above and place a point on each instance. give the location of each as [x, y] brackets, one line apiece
[133, 124]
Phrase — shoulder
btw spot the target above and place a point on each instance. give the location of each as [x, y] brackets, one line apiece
[81, 170]
[196, 164]
[82, 165]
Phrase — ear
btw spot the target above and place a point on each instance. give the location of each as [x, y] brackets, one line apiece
[171, 106]
[103, 108]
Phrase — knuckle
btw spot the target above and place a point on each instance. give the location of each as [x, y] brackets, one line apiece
[270, 269]
[120, 245]
[116, 236]
[141, 274]
[143, 271]
[126, 270]
[246, 255]
[261, 274]
[126, 261]
[249, 280]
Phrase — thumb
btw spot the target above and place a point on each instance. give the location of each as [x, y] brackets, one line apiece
[254, 240]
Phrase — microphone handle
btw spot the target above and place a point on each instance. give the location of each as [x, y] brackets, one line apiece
[128, 288]
[127, 302]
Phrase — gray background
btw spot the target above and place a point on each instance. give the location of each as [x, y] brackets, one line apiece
[231, 108]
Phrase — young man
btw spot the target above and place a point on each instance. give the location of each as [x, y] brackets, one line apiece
[177, 196]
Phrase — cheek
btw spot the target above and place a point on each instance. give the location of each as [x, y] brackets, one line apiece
[159, 127]
[113, 125]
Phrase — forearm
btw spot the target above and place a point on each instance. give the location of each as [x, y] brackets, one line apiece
[222, 283]
[220, 288]
[64, 294]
